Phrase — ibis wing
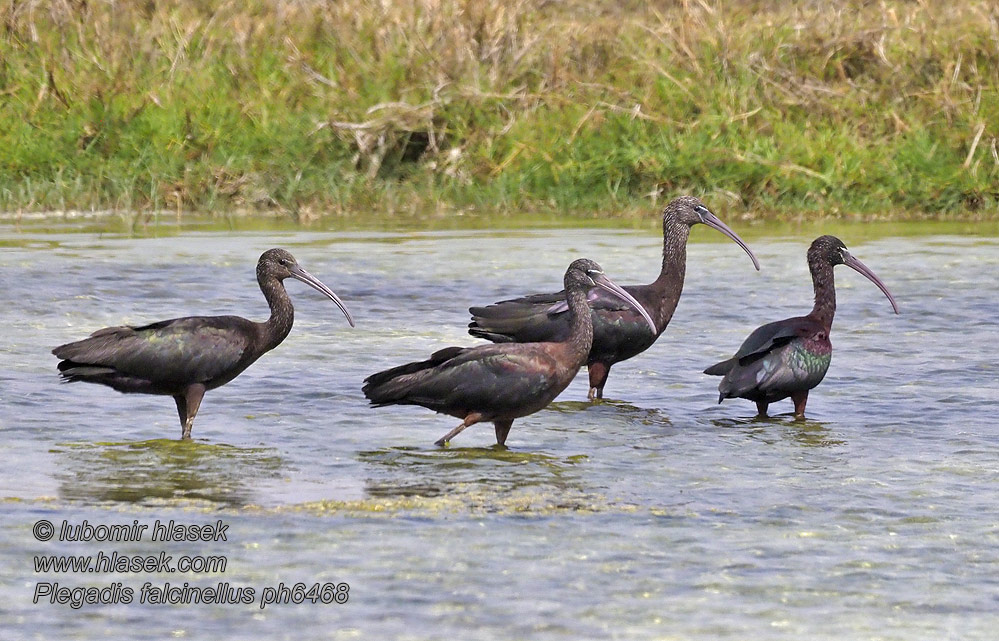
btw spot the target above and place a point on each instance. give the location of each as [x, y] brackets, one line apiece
[491, 378]
[534, 299]
[188, 350]
[766, 338]
[762, 341]
[374, 385]
[535, 318]
[521, 320]
[598, 299]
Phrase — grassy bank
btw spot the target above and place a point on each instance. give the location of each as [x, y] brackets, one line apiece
[313, 109]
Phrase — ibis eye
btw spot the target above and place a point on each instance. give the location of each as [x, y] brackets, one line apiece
[284, 262]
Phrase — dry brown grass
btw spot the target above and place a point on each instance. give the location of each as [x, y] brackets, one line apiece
[583, 104]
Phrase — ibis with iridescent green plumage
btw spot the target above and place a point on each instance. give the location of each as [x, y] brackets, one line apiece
[788, 358]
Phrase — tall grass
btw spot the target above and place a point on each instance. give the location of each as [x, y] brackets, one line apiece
[317, 108]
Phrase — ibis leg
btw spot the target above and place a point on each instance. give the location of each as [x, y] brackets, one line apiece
[187, 407]
[799, 398]
[471, 419]
[181, 409]
[502, 431]
[598, 373]
[761, 408]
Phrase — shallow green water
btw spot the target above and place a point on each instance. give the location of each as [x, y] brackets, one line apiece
[656, 514]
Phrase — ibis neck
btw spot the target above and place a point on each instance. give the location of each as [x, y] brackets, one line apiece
[824, 284]
[666, 289]
[581, 324]
[277, 327]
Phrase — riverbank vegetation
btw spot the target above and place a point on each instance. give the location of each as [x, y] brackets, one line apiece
[313, 109]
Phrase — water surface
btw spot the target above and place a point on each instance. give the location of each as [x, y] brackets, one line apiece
[655, 514]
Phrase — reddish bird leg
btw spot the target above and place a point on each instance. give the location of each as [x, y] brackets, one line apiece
[799, 398]
[187, 407]
[471, 419]
[598, 378]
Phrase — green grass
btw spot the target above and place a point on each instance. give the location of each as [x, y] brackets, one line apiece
[315, 109]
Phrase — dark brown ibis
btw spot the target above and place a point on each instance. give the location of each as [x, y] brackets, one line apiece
[619, 332]
[185, 357]
[791, 356]
[499, 383]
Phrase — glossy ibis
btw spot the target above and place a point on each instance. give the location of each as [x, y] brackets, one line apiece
[618, 330]
[185, 357]
[499, 383]
[791, 356]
